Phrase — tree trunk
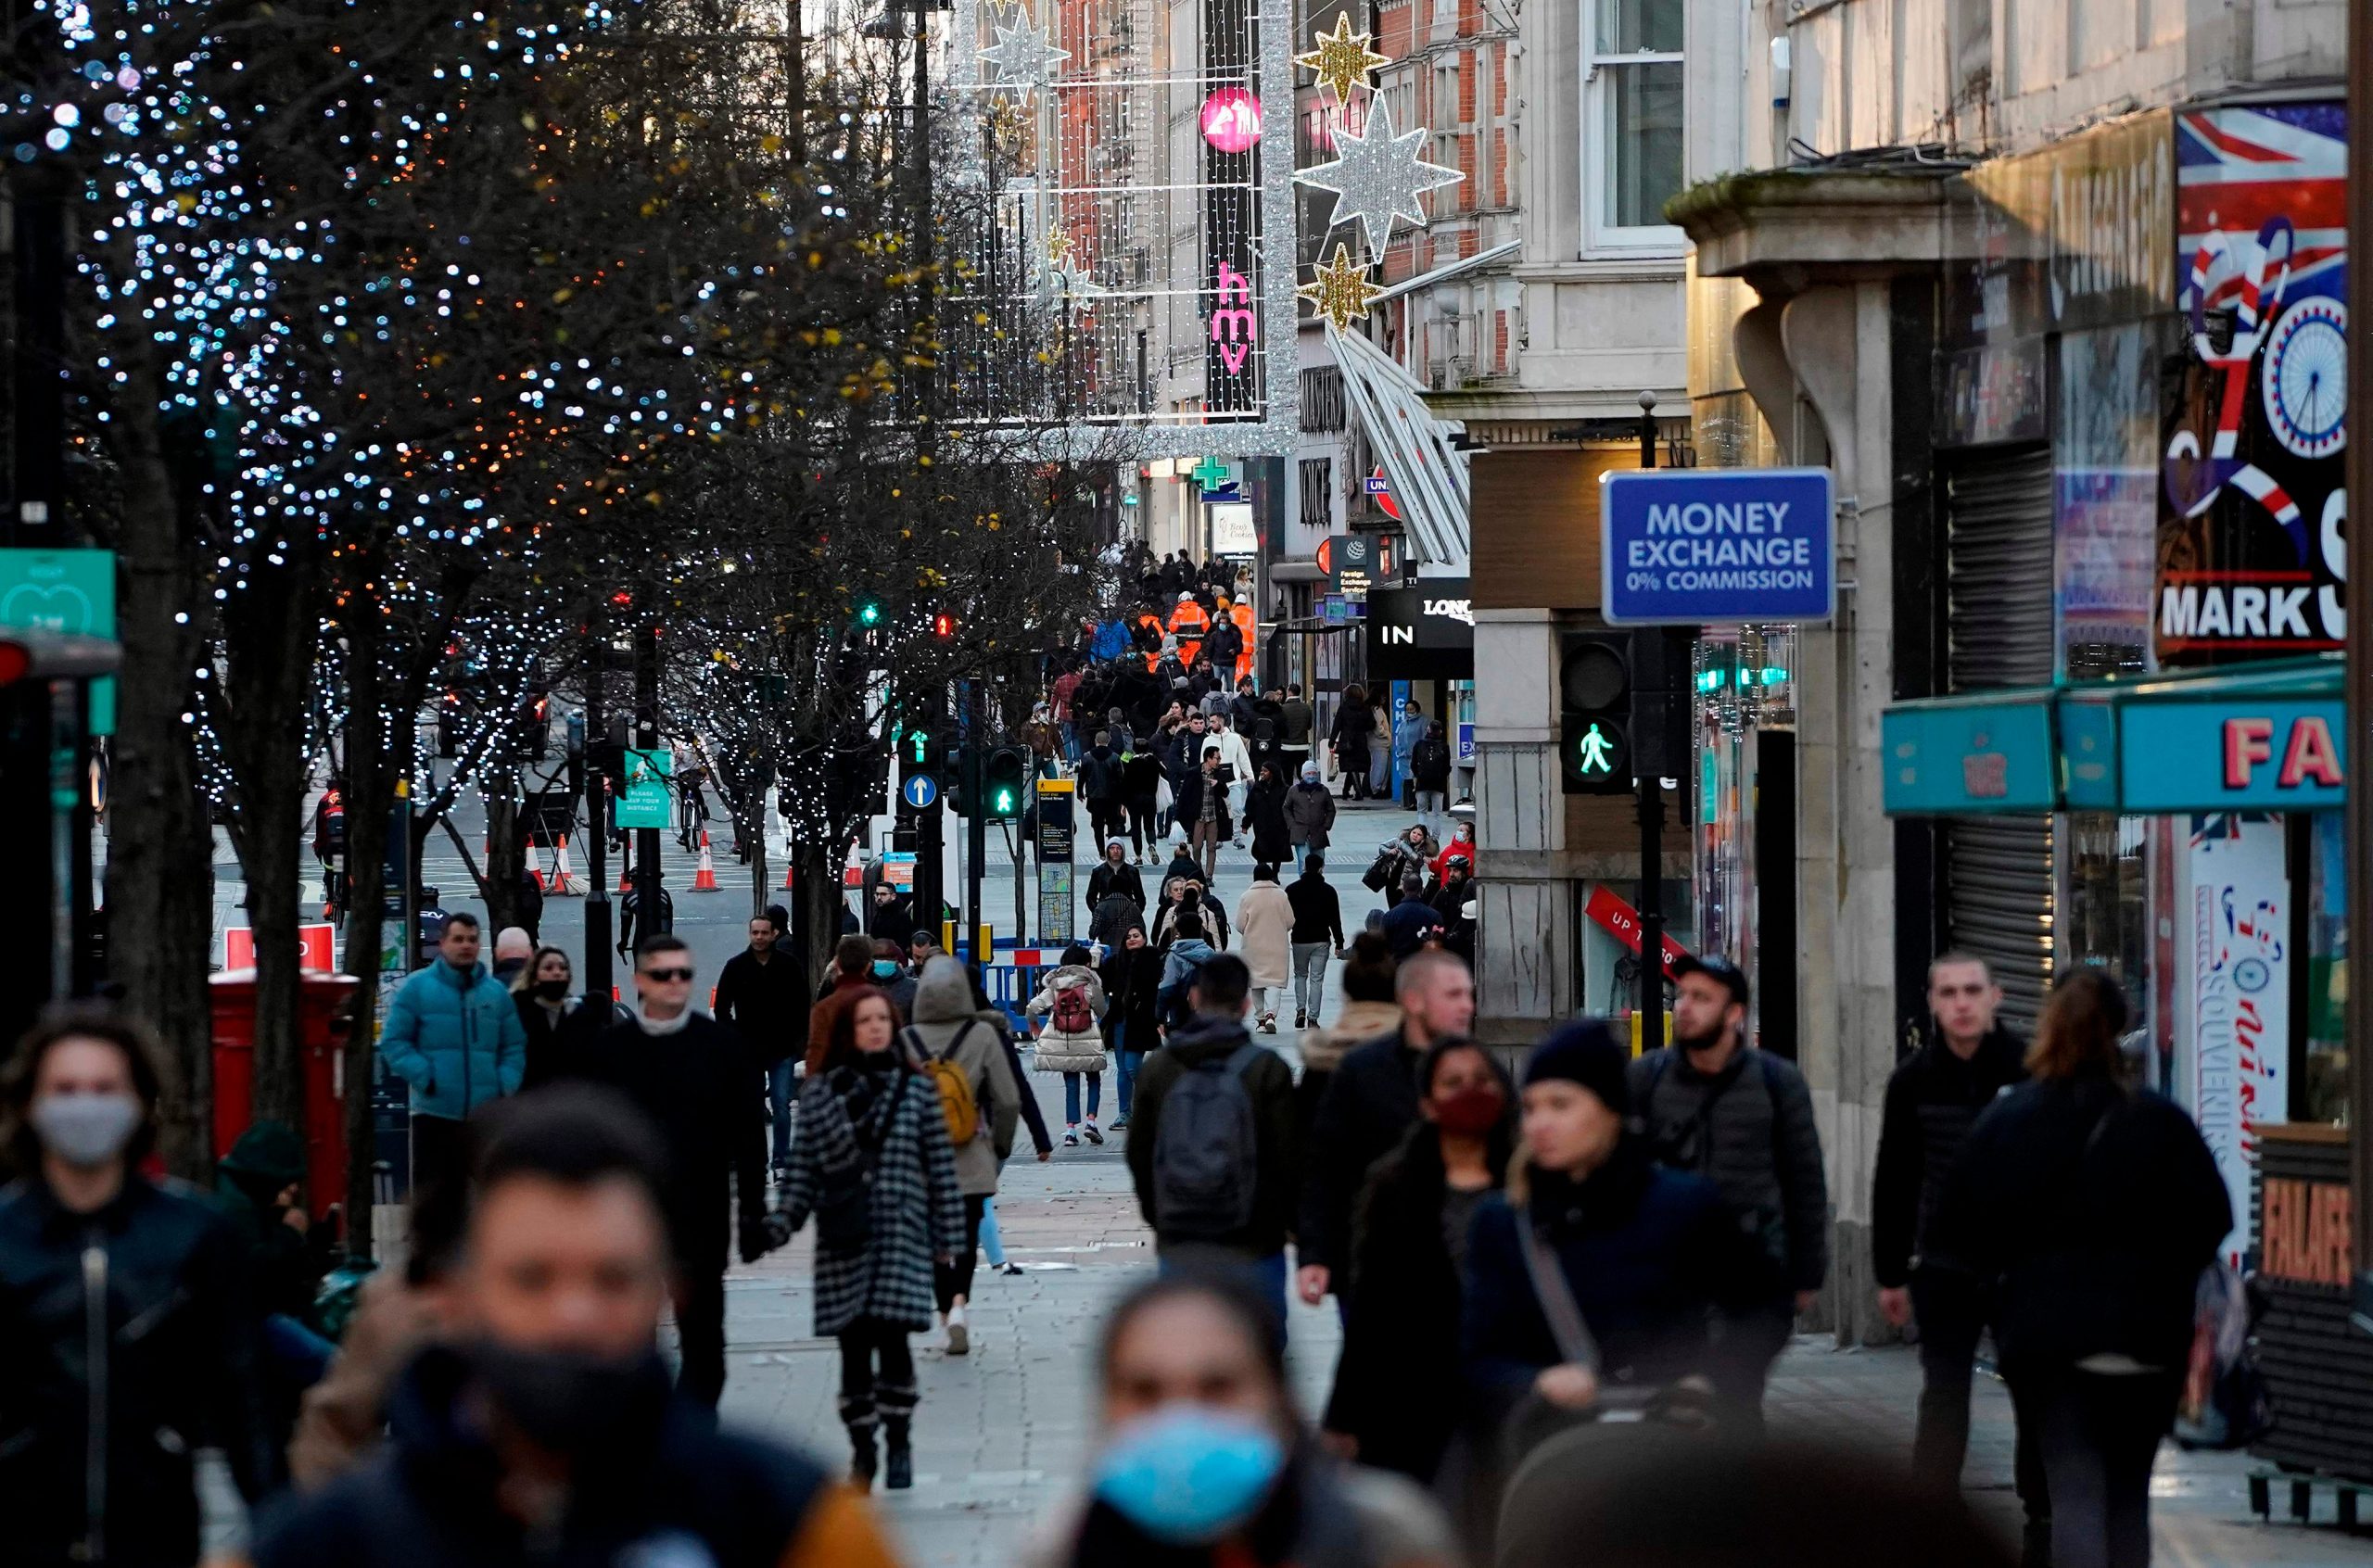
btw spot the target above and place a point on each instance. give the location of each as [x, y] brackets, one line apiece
[160, 840]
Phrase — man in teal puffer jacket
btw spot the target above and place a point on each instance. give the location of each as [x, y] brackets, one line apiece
[454, 1033]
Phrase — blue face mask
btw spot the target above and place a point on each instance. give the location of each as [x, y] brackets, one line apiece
[1187, 1474]
[883, 968]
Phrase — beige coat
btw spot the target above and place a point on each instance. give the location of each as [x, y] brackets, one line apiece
[1323, 1049]
[1264, 929]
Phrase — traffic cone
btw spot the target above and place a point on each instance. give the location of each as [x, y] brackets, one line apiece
[625, 878]
[704, 880]
[786, 875]
[563, 882]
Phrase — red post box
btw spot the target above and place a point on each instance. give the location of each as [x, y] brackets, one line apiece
[323, 1023]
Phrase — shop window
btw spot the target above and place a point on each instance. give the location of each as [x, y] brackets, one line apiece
[1631, 122]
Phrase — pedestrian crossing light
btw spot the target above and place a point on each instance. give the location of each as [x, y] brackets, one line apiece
[1005, 781]
[1594, 726]
[869, 614]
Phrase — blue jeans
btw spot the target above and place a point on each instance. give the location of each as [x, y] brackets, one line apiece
[780, 1086]
[1071, 1095]
[1267, 1275]
[992, 1243]
[1126, 1060]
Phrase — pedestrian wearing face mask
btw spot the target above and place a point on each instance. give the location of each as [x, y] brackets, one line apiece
[1202, 1461]
[540, 1427]
[557, 1023]
[126, 1336]
[1409, 1235]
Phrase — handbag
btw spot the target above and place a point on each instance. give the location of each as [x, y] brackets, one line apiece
[1380, 874]
[845, 1209]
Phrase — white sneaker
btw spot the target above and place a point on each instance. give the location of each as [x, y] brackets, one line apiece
[959, 1337]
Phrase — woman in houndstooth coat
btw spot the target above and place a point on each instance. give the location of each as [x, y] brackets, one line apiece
[870, 1107]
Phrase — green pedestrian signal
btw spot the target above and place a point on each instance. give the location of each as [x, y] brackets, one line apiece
[1595, 718]
[1597, 753]
[1005, 781]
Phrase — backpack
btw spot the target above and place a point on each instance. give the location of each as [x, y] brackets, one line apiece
[1175, 1014]
[1206, 1151]
[955, 1085]
[1688, 1146]
[1073, 1015]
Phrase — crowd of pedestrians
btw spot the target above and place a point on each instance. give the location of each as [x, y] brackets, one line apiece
[1529, 1251]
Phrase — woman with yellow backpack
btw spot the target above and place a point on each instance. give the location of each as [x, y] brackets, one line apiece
[963, 1056]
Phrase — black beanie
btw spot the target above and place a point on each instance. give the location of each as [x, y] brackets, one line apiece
[1587, 1052]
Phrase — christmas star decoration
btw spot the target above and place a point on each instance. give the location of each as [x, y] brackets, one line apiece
[1339, 290]
[1024, 56]
[1342, 59]
[1377, 176]
[1059, 248]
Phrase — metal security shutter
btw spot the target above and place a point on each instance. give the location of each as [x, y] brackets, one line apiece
[1999, 874]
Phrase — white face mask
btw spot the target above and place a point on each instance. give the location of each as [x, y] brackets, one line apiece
[85, 1130]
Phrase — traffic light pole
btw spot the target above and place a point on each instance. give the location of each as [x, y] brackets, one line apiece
[598, 972]
[976, 820]
[1649, 744]
[646, 715]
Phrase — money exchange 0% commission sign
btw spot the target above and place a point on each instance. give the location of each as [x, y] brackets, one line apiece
[1694, 547]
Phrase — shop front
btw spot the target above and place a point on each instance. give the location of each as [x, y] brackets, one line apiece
[2214, 796]
[1421, 649]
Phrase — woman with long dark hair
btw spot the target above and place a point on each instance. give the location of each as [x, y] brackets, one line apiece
[1409, 1235]
[873, 1164]
[1203, 1462]
[2091, 1208]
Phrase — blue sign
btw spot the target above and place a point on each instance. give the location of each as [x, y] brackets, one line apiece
[1377, 484]
[1697, 547]
[920, 790]
[1988, 756]
[2286, 754]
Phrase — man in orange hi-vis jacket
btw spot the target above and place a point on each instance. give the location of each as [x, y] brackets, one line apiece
[1187, 624]
[1240, 612]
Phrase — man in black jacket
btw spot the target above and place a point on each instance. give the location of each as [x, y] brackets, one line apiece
[542, 1427]
[762, 996]
[1370, 1105]
[1932, 1100]
[1218, 997]
[697, 1082]
[1714, 1106]
[1101, 786]
[1115, 875]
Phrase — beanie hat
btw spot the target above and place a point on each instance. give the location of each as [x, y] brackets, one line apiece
[1583, 1052]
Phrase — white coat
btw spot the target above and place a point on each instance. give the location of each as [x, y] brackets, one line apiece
[1264, 925]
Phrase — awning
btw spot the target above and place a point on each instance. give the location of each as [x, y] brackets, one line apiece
[2267, 737]
[1426, 472]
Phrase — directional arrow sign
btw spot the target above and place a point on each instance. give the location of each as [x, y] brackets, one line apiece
[920, 790]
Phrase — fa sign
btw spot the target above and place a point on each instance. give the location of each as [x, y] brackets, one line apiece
[2308, 752]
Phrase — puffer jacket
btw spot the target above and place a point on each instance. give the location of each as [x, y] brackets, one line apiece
[1748, 1129]
[136, 1313]
[947, 1025]
[1310, 814]
[456, 1038]
[1059, 1052]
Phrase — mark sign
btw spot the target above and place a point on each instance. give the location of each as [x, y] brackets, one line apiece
[1696, 547]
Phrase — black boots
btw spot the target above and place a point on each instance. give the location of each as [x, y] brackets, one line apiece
[897, 1401]
[859, 1417]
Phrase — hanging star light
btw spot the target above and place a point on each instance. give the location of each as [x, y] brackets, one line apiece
[1342, 59]
[1024, 56]
[1340, 289]
[1377, 176]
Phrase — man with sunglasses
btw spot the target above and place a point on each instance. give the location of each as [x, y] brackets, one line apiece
[697, 1082]
[1713, 1104]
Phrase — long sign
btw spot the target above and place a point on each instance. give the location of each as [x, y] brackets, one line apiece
[2236, 986]
[2286, 755]
[1619, 920]
[1696, 547]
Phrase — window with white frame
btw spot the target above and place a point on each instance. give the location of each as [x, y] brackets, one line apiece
[1632, 121]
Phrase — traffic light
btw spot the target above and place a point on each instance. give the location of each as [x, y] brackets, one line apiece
[1595, 716]
[952, 777]
[942, 626]
[1005, 781]
[449, 726]
[869, 614]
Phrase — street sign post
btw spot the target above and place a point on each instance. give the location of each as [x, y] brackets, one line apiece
[1700, 547]
[1057, 911]
[644, 801]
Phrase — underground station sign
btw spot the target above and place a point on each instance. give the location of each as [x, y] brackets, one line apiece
[1701, 547]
